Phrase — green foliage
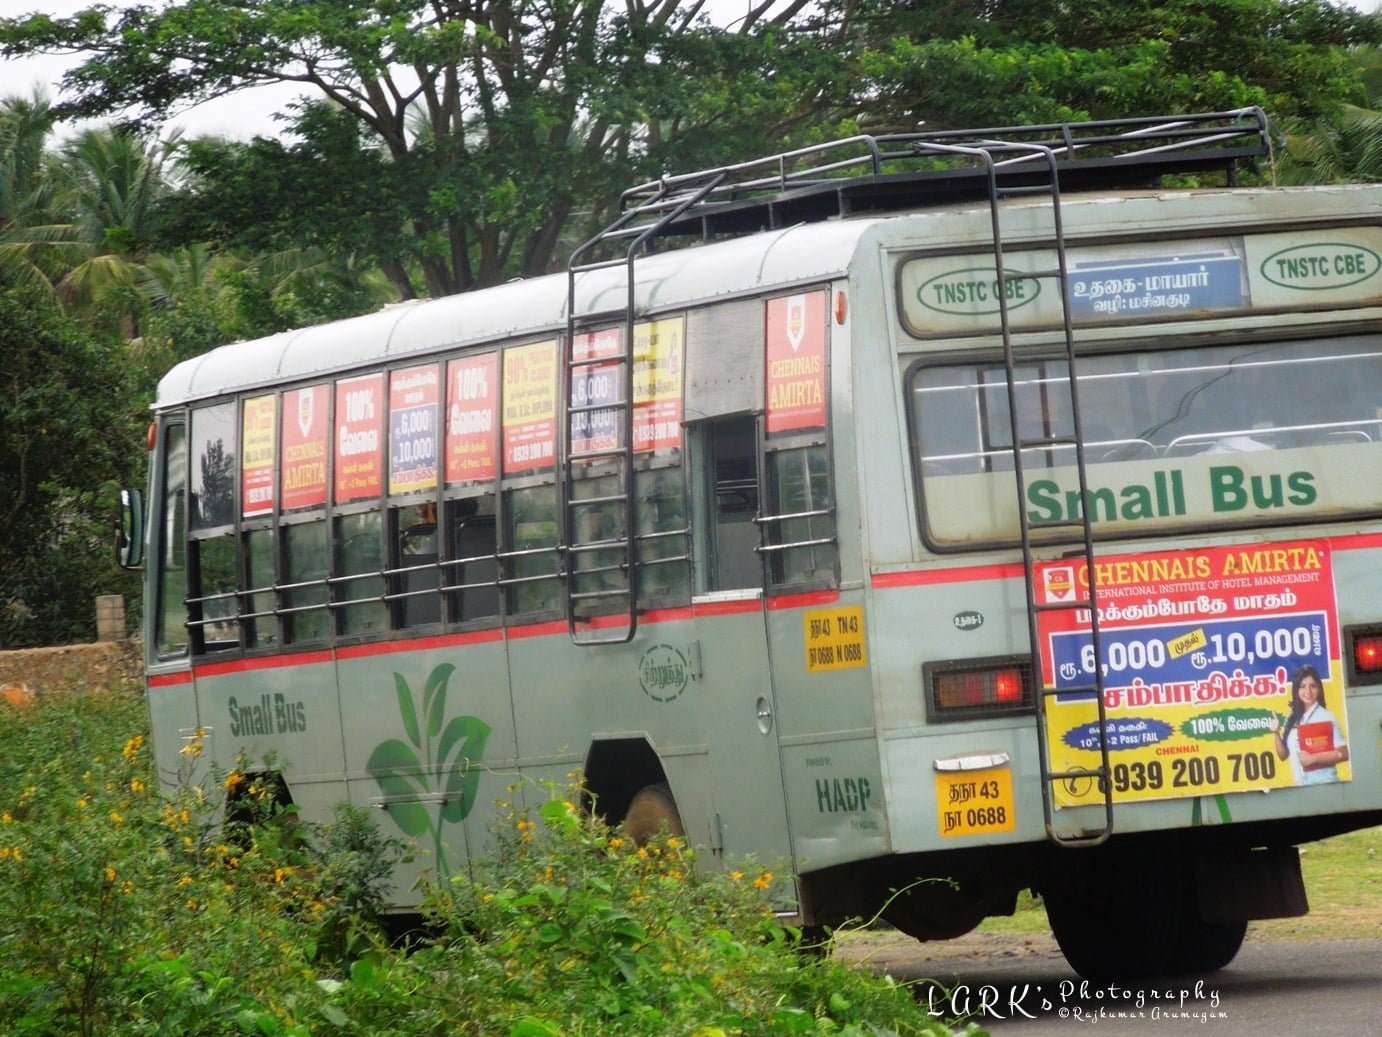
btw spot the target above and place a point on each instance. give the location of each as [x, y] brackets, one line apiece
[124, 911]
[70, 429]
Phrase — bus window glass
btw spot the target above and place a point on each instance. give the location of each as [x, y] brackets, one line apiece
[416, 577]
[1173, 438]
[217, 610]
[305, 565]
[663, 557]
[598, 580]
[214, 468]
[731, 467]
[800, 485]
[531, 515]
[360, 589]
[472, 571]
[261, 626]
[172, 572]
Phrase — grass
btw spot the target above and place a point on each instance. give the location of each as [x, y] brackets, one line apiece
[1343, 880]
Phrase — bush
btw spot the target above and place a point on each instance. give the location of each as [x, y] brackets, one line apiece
[124, 911]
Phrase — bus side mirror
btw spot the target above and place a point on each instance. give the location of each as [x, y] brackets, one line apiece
[129, 538]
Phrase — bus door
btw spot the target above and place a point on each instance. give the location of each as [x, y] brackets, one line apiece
[749, 814]
[172, 697]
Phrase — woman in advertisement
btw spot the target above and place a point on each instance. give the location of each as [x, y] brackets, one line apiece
[1311, 738]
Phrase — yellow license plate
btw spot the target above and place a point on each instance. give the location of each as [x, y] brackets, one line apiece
[975, 802]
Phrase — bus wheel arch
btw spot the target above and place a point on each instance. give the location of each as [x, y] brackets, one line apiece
[259, 798]
[617, 772]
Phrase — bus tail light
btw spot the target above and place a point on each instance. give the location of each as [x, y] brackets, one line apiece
[974, 688]
[1365, 654]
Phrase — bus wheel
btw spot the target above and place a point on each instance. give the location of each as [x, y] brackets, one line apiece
[651, 809]
[1117, 924]
[1201, 946]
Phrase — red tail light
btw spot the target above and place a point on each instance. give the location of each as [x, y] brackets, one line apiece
[1366, 655]
[965, 690]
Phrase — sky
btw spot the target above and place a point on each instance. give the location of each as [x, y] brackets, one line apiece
[248, 112]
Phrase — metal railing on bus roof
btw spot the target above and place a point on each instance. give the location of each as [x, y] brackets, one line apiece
[868, 173]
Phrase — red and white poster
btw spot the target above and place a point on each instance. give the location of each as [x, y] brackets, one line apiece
[472, 426]
[530, 407]
[257, 457]
[359, 453]
[795, 382]
[414, 428]
[304, 435]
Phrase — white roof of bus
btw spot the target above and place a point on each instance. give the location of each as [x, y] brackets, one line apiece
[667, 280]
[742, 266]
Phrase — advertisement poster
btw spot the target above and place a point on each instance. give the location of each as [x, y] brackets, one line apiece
[304, 447]
[1221, 665]
[796, 363]
[530, 407]
[472, 433]
[657, 375]
[257, 457]
[359, 456]
[592, 385]
[414, 395]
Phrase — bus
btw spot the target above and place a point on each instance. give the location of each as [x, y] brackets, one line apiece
[928, 517]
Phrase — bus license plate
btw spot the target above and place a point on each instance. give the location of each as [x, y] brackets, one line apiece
[975, 802]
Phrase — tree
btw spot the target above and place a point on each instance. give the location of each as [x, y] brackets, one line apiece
[36, 245]
[69, 435]
[530, 114]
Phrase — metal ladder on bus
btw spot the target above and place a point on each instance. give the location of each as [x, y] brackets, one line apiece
[1047, 184]
[636, 225]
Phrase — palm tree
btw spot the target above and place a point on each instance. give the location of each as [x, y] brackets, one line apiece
[36, 246]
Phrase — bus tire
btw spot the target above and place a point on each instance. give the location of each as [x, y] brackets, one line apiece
[1202, 947]
[1117, 921]
[652, 809]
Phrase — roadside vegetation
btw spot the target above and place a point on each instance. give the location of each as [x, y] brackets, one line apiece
[123, 910]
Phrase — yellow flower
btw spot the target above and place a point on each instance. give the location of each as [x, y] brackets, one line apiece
[110, 875]
[117, 818]
[6, 818]
[191, 904]
[132, 747]
[185, 881]
[763, 881]
[136, 785]
[233, 780]
[736, 875]
[81, 803]
[642, 854]
[614, 843]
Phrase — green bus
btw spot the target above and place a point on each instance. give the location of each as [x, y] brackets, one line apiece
[962, 505]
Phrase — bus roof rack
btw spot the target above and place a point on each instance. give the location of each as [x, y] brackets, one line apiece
[869, 173]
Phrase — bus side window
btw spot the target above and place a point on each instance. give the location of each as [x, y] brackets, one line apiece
[730, 475]
[261, 624]
[530, 515]
[799, 485]
[472, 538]
[663, 549]
[213, 576]
[416, 578]
[359, 588]
[171, 603]
[305, 568]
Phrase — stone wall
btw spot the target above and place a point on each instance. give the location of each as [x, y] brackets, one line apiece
[37, 671]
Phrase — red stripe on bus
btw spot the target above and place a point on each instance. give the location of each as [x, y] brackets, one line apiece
[1361, 542]
[737, 607]
[168, 680]
[799, 601]
[265, 662]
[537, 630]
[421, 644]
[960, 574]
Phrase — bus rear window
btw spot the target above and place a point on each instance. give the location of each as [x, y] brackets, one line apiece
[1230, 435]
